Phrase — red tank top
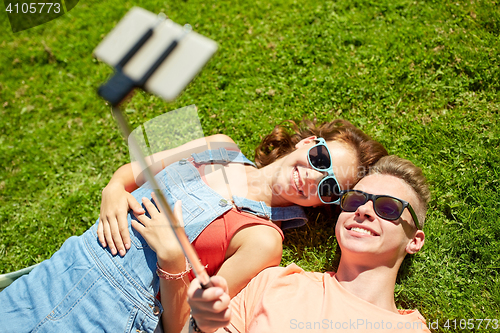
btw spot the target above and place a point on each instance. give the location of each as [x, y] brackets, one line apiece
[211, 245]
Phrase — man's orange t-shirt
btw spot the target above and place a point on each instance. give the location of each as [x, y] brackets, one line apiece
[288, 299]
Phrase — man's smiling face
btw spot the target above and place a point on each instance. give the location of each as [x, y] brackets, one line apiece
[364, 232]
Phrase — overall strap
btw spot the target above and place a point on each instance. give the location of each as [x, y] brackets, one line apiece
[290, 216]
[221, 155]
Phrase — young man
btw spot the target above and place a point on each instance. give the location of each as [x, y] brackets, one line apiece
[381, 223]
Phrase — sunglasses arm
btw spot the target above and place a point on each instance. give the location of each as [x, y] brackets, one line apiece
[414, 216]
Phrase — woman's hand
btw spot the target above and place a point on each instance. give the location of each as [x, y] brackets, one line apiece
[210, 307]
[159, 234]
[113, 226]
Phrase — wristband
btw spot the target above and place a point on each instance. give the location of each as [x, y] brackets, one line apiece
[168, 276]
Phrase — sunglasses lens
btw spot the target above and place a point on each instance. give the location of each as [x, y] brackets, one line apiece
[319, 157]
[329, 190]
[388, 208]
[352, 200]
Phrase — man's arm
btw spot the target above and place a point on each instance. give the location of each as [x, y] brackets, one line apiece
[212, 309]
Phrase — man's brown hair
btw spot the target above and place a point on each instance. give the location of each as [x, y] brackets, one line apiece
[411, 175]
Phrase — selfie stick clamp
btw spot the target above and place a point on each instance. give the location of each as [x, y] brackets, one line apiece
[120, 85]
[115, 90]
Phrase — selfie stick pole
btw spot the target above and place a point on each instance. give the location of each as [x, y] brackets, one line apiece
[189, 251]
[114, 91]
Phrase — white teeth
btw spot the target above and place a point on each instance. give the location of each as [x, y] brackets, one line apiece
[363, 231]
[296, 179]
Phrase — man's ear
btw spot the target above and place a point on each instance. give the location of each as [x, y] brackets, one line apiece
[305, 141]
[416, 242]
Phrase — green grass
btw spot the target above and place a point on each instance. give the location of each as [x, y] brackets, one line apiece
[422, 77]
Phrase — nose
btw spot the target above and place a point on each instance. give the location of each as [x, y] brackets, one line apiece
[315, 175]
[312, 179]
[366, 211]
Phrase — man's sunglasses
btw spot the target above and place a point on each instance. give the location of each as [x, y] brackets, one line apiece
[320, 159]
[385, 206]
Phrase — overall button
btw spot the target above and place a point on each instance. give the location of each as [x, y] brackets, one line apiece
[183, 161]
[223, 203]
[156, 310]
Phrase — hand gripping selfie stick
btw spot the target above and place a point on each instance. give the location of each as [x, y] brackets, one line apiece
[121, 84]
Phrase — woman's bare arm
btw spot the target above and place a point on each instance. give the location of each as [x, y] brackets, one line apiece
[257, 247]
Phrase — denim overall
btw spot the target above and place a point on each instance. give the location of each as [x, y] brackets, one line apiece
[84, 288]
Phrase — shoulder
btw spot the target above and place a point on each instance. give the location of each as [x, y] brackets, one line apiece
[258, 238]
[221, 141]
[255, 247]
[277, 272]
[282, 275]
[222, 138]
[250, 251]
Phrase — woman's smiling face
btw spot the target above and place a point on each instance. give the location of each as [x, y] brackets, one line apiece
[297, 182]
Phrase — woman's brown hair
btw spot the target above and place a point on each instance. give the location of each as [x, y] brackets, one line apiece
[281, 142]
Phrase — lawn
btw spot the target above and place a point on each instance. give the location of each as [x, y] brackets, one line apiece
[422, 77]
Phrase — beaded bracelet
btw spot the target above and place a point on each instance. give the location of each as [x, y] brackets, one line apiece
[168, 276]
[194, 326]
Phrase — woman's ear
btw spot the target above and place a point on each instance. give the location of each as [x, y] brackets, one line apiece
[305, 141]
[416, 242]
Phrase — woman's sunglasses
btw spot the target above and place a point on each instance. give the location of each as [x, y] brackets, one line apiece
[320, 159]
[385, 206]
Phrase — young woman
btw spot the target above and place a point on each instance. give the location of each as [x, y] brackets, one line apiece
[232, 212]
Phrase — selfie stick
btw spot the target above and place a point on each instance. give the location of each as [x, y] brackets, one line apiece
[114, 91]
